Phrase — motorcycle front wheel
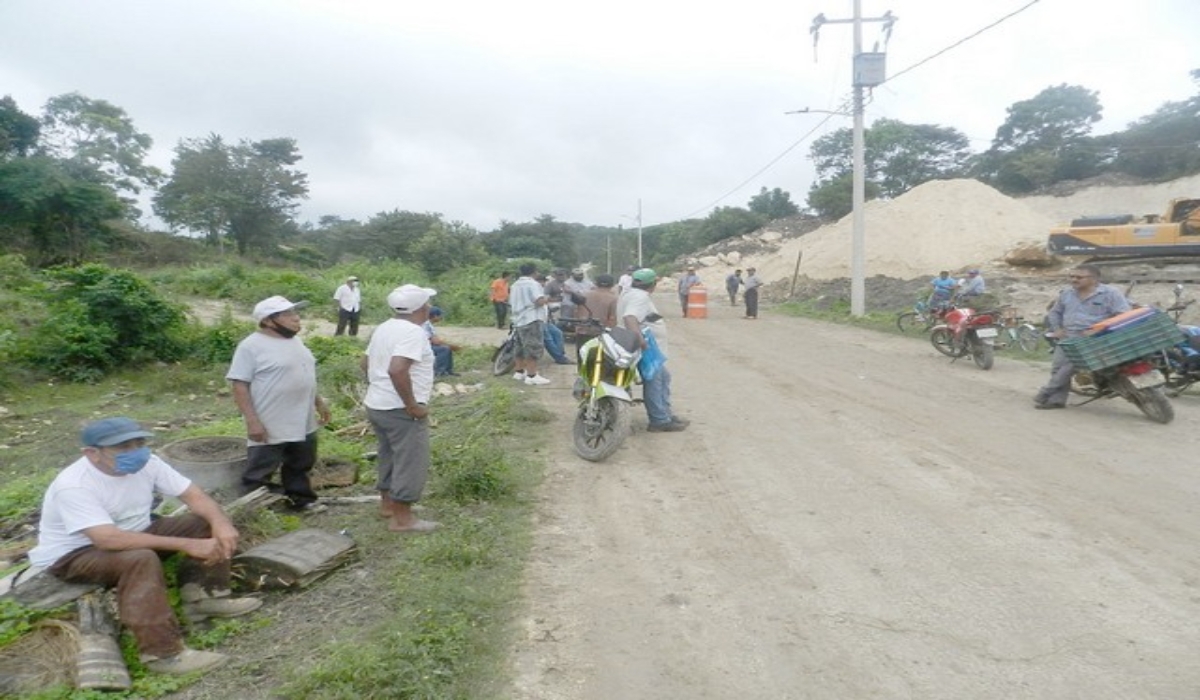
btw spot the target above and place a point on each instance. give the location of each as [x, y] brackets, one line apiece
[911, 321]
[942, 340]
[983, 354]
[505, 358]
[1154, 403]
[598, 432]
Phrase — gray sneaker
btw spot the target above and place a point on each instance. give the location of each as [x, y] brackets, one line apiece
[185, 662]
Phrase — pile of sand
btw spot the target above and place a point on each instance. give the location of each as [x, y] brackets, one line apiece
[946, 225]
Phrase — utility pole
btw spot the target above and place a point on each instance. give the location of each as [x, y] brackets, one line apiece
[869, 71]
[639, 220]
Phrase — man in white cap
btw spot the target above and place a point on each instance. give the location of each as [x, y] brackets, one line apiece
[274, 380]
[96, 528]
[349, 300]
[686, 282]
[399, 367]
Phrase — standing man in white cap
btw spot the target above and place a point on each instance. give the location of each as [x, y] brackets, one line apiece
[399, 367]
[274, 380]
[686, 282]
[349, 300]
[96, 528]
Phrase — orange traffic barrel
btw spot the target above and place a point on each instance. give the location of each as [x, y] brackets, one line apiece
[697, 302]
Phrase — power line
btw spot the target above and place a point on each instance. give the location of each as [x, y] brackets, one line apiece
[822, 123]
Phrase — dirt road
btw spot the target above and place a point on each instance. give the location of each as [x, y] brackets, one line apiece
[852, 516]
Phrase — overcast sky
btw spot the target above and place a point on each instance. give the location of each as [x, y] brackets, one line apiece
[489, 110]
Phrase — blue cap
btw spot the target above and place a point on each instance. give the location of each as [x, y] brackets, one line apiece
[107, 432]
[435, 311]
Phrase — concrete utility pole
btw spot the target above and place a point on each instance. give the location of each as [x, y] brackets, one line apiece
[869, 71]
[639, 220]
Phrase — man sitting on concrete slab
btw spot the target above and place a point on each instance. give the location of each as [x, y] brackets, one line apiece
[96, 528]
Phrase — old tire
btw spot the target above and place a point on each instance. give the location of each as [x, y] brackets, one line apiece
[597, 439]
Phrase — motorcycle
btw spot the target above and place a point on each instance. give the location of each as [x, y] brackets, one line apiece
[1180, 364]
[607, 372]
[965, 332]
[1122, 362]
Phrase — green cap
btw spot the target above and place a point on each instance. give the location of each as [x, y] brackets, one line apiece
[645, 276]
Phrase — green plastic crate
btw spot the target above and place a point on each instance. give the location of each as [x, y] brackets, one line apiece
[1156, 332]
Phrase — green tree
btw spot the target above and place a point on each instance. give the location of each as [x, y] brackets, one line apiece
[896, 157]
[773, 204]
[833, 198]
[1043, 140]
[98, 142]
[541, 239]
[1164, 145]
[51, 215]
[446, 247]
[18, 131]
[246, 192]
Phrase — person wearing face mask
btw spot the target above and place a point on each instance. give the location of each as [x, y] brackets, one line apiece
[96, 528]
[274, 380]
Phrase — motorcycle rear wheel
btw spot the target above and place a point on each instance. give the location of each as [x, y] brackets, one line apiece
[1154, 403]
[943, 341]
[984, 355]
[597, 438]
[504, 358]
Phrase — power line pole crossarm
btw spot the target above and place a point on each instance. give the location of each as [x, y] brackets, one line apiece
[869, 71]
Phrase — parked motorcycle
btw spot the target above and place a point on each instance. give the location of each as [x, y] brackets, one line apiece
[1122, 362]
[965, 332]
[607, 373]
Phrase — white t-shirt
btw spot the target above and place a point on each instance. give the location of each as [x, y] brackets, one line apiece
[348, 298]
[82, 496]
[398, 338]
[282, 375]
[637, 303]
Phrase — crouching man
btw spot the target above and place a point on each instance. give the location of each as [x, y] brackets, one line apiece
[96, 528]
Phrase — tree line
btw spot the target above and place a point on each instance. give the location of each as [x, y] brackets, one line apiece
[70, 180]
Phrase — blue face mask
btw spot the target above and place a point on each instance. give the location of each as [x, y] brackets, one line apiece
[132, 462]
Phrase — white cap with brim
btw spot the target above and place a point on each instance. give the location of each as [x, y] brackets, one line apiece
[409, 298]
[274, 305]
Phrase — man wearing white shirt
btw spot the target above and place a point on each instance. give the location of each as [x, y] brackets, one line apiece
[349, 299]
[399, 368]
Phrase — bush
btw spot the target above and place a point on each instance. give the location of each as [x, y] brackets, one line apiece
[99, 319]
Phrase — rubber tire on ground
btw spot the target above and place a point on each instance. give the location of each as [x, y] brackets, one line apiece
[909, 321]
[984, 355]
[943, 341]
[505, 358]
[600, 444]
[1155, 404]
[1028, 338]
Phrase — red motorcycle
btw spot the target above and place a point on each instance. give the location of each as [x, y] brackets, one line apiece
[965, 332]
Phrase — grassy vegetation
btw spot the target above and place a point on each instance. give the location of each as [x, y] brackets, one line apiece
[443, 632]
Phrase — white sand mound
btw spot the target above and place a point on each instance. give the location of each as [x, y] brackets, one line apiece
[948, 225]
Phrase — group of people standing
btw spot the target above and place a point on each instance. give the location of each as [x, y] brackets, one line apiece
[750, 285]
[96, 525]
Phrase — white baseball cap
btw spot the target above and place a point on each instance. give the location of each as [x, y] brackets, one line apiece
[274, 305]
[409, 298]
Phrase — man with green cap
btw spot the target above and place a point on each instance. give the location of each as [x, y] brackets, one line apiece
[636, 311]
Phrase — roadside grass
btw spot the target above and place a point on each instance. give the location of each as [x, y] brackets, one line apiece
[450, 596]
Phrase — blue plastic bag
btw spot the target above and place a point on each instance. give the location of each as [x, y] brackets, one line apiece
[652, 358]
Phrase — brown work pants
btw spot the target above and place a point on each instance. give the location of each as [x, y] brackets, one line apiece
[141, 587]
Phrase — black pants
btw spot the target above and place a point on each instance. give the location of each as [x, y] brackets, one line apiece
[501, 308]
[751, 297]
[347, 318]
[294, 460]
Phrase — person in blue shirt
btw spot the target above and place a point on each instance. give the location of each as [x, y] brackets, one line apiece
[943, 289]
